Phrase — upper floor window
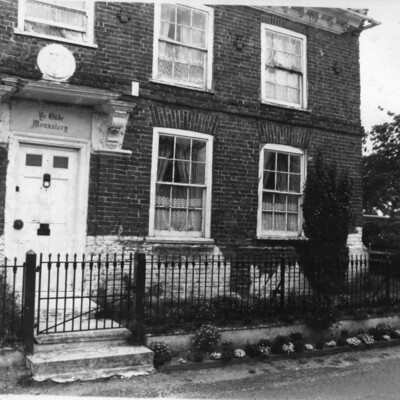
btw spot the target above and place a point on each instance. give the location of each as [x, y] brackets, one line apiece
[280, 191]
[180, 204]
[283, 67]
[183, 37]
[62, 20]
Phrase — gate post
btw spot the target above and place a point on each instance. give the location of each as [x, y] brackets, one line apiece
[138, 298]
[29, 301]
[283, 277]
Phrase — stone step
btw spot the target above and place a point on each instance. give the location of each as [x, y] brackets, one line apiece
[67, 365]
[72, 340]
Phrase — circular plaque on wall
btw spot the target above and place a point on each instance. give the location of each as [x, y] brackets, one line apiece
[56, 63]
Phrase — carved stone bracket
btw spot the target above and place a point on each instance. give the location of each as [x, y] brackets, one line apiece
[109, 126]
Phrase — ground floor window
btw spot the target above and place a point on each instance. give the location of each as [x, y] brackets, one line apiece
[281, 180]
[181, 183]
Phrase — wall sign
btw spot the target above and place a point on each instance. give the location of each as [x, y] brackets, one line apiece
[51, 119]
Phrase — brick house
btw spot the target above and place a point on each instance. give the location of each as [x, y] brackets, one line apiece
[130, 125]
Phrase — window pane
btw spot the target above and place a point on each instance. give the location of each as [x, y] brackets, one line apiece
[178, 220]
[294, 185]
[198, 38]
[281, 93]
[181, 54]
[196, 57]
[280, 202]
[279, 222]
[183, 16]
[268, 202]
[270, 90]
[181, 72]
[267, 221]
[199, 20]
[33, 160]
[269, 180]
[195, 221]
[282, 182]
[196, 75]
[60, 162]
[196, 197]
[292, 203]
[281, 77]
[199, 150]
[167, 30]
[198, 173]
[270, 75]
[165, 69]
[283, 162]
[293, 223]
[269, 39]
[168, 12]
[166, 51]
[179, 197]
[161, 219]
[182, 171]
[295, 164]
[166, 146]
[182, 151]
[163, 196]
[165, 170]
[293, 95]
[183, 35]
[269, 160]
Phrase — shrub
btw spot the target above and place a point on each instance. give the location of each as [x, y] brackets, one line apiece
[381, 330]
[327, 220]
[319, 345]
[277, 344]
[341, 341]
[162, 353]
[206, 338]
[227, 351]
[252, 350]
[10, 313]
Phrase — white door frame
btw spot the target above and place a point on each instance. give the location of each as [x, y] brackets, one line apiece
[82, 185]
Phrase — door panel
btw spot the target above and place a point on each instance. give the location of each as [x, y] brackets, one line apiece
[44, 198]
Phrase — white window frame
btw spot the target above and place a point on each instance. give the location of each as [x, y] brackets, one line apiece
[209, 45]
[205, 234]
[89, 29]
[272, 234]
[264, 98]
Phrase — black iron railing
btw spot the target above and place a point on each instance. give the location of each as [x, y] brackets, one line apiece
[182, 289]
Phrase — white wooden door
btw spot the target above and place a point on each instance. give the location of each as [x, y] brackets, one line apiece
[44, 205]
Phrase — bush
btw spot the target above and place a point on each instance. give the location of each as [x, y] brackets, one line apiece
[206, 338]
[298, 341]
[327, 222]
[227, 351]
[381, 330]
[252, 350]
[162, 353]
[277, 344]
[10, 313]
[341, 341]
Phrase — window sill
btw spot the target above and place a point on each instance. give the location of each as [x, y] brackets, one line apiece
[267, 103]
[281, 237]
[197, 89]
[179, 240]
[56, 39]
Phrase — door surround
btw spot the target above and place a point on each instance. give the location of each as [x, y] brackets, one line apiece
[82, 146]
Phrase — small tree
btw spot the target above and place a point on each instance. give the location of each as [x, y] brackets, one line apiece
[327, 219]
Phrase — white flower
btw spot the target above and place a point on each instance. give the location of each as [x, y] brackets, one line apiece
[386, 337]
[309, 347]
[288, 348]
[265, 351]
[367, 339]
[353, 341]
[239, 353]
[332, 343]
[215, 356]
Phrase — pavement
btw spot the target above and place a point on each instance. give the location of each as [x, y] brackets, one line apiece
[371, 374]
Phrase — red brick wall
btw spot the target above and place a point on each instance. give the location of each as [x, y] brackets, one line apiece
[232, 112]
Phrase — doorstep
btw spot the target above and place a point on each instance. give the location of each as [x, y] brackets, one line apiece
[176, 365]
